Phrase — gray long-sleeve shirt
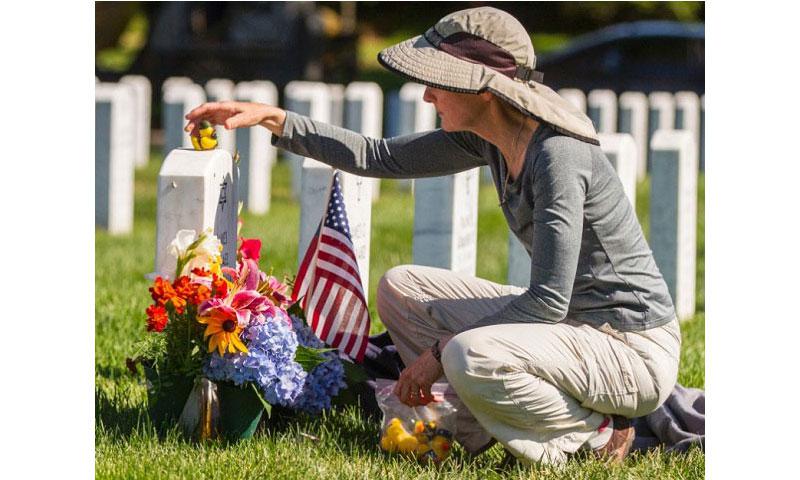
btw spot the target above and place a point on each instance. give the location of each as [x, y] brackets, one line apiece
[590, 261]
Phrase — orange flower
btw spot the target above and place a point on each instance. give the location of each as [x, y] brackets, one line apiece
[179, 304]
[161, 291]
[219, 286]
[201, 272]
[157, 318]
[183, 292]
[183, 287]
[200, 294]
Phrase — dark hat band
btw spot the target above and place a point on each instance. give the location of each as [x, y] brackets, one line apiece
[472, 48]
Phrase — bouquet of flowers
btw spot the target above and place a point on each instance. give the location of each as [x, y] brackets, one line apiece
[224, 335]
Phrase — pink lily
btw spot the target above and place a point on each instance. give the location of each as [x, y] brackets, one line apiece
[244, 304]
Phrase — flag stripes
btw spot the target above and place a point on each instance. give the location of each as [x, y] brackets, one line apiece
[329, 282]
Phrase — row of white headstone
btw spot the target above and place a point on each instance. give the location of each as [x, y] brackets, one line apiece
[446, 237]
[122, 143]
[642, 115]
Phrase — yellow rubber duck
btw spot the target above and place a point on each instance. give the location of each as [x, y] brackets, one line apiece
[419, 427]
[396, 438]
[440, 446]
[207, 139]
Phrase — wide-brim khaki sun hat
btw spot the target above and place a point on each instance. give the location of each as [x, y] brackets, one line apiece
[486, 49]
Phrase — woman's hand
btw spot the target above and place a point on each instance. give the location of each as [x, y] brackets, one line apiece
[414, 385]
[237, 115]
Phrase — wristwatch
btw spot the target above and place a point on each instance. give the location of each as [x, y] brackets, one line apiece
[435, 351]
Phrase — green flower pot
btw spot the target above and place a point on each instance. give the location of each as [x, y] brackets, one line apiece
[240, 411]
[166, 396]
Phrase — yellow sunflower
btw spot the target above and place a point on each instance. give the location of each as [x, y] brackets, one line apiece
[223, 328]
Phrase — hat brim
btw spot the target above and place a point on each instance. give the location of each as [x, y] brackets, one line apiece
[421, 62]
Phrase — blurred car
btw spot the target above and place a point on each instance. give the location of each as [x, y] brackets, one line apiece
[640, 56]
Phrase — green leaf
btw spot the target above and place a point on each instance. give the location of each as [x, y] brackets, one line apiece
[297, 310]
[354, 373]
[308, 357]
[266, 405]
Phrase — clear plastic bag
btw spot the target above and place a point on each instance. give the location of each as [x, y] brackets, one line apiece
[423, 432]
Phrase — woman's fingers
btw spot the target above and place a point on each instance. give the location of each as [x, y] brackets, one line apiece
[239, 120]
[404, 389]
[208, 110]
[425, 394]
[214, 112]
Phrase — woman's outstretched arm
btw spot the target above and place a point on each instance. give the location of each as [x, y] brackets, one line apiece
[423, 154]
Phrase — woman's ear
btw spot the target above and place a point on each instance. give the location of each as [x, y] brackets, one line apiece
[486, 96]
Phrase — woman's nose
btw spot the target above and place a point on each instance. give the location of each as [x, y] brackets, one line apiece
[428, 95]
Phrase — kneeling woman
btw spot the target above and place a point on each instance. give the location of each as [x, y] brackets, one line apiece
[594, 339]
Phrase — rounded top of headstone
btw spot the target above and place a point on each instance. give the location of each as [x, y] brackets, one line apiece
[627, 98]
[359, 89]
[114, 92]
[184, 92]
[411, 91]
[601, 95]
[256, 91]
[661, 98]
[617, 142]
[304, 89]
[680, 140]
[687, 98]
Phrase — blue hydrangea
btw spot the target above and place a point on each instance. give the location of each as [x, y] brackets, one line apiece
[269, 363]
[325, 380]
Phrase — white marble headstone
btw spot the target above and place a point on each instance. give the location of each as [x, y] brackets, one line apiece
[311, 99]
[315, 189]
[575, 97]
[673, 215]
[661, 117]
[621, 151]
[179, 98]
[256, 153]
[115, 149]
[446, 221]
[703, 133]
[519, 262]
[416, 115]
[602, 110]
[364, 114]
[633, 113]
[172, 81]
[337, 93]
[144, 98]
[687, 114]
[357, 192]
[196, 191]
[221, 90]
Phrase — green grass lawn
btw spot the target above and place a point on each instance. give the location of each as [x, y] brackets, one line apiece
[127, 447]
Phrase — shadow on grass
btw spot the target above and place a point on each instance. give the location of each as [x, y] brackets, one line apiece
[118, 414]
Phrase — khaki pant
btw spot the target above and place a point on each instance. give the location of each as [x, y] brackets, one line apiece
[539, 389]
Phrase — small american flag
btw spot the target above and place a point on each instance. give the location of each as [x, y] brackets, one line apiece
[330, 284]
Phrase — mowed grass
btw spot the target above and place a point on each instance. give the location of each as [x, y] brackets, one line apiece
[344, 443]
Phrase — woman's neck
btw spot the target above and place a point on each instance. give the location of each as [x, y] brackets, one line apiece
[510, 131]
